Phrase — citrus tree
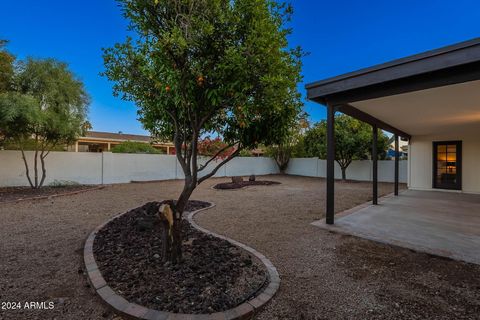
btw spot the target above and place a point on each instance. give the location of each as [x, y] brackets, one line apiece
[207, 67]
[353, 141]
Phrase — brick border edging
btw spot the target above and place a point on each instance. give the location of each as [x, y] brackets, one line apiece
[55, 195]
[130, 310]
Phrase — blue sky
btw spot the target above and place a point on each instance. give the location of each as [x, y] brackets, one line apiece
[340, 35]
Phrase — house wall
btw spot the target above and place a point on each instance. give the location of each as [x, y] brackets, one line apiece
[357, 170]
[421, 162]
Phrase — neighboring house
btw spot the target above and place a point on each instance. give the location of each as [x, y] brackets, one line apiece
[432, 99]
[403, 150]
[95, 141]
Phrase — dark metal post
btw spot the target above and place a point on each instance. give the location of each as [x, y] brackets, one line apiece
[330, 164]
[375, 164]
[396, 165]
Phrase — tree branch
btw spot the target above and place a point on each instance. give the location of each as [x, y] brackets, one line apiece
[202, 167]
[205, 177]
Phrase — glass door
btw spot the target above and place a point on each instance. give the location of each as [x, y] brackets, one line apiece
[447, 165]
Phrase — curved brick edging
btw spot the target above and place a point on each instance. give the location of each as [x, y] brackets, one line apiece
[120, 305]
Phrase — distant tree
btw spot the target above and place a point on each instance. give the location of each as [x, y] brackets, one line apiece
[353, 141]
[47, 105]
[215, 148]
[87, 126]
[6, 67]
[135, 147]
[219, 67]
[292, 144]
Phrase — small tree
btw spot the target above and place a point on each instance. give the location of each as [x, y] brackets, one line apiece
[201, 67]
[292, 144]
[46, 105]
[353, 141]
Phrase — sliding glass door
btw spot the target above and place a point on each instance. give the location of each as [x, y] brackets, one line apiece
[447, 165]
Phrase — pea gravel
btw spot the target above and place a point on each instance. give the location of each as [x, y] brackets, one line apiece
[324, 275]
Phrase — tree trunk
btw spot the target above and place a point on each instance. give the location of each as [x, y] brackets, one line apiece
[35, 168]
[344, 174]
[171, 215]
[44, 169]
[27, 171]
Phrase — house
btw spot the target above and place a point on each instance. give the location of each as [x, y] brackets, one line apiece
[403, 149]
[433, 100]
[95, 141]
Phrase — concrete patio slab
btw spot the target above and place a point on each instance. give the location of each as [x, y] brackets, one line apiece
[441, 223]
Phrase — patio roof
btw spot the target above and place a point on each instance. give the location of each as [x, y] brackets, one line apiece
[445, 67]
[422, 94]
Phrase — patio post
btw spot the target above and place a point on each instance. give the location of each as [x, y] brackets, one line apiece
[396, 165]
[330, 164]
[375, 164]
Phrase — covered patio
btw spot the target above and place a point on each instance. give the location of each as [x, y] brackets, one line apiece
[432, 100]
[444, 224]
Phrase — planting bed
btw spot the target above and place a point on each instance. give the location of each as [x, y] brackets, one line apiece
[242, 184]
[214, 275]
[11, 194]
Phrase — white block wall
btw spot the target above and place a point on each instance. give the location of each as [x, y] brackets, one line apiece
[358, 170]
[108, 168]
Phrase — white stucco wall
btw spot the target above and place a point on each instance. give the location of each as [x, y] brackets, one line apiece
[357, 170]
[109, 168]
[85, 168]
[123, 168]
[421, 153]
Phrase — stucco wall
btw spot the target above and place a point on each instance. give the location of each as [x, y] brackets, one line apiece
[357, 170]
[421, 152]
[85, 168]
[108, 168]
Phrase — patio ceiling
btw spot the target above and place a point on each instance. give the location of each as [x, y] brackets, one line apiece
[421, 94]
[453, 108]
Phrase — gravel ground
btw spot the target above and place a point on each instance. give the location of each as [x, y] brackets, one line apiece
[324, 275]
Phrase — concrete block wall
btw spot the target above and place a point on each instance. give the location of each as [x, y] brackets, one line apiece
[360, 170]
[109, 168]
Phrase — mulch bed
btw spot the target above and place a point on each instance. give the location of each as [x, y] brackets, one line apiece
[9, 194]
[214, 275]
[243, 184]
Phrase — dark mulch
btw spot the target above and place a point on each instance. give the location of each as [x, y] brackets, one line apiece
[8, 194]
[214, 276]
[238, 185]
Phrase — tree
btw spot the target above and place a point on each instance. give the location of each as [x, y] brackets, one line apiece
[47, 105]
[353, 141]
[6, 77]
[214, 147]
[6, 67]
[200, 67]
[292, 144]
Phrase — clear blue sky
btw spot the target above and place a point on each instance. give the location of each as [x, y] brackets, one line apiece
[340, 36]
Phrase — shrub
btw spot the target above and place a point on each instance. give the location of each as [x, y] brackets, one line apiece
[135, 147]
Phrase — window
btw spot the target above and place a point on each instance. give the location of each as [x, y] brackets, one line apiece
[447, 165]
